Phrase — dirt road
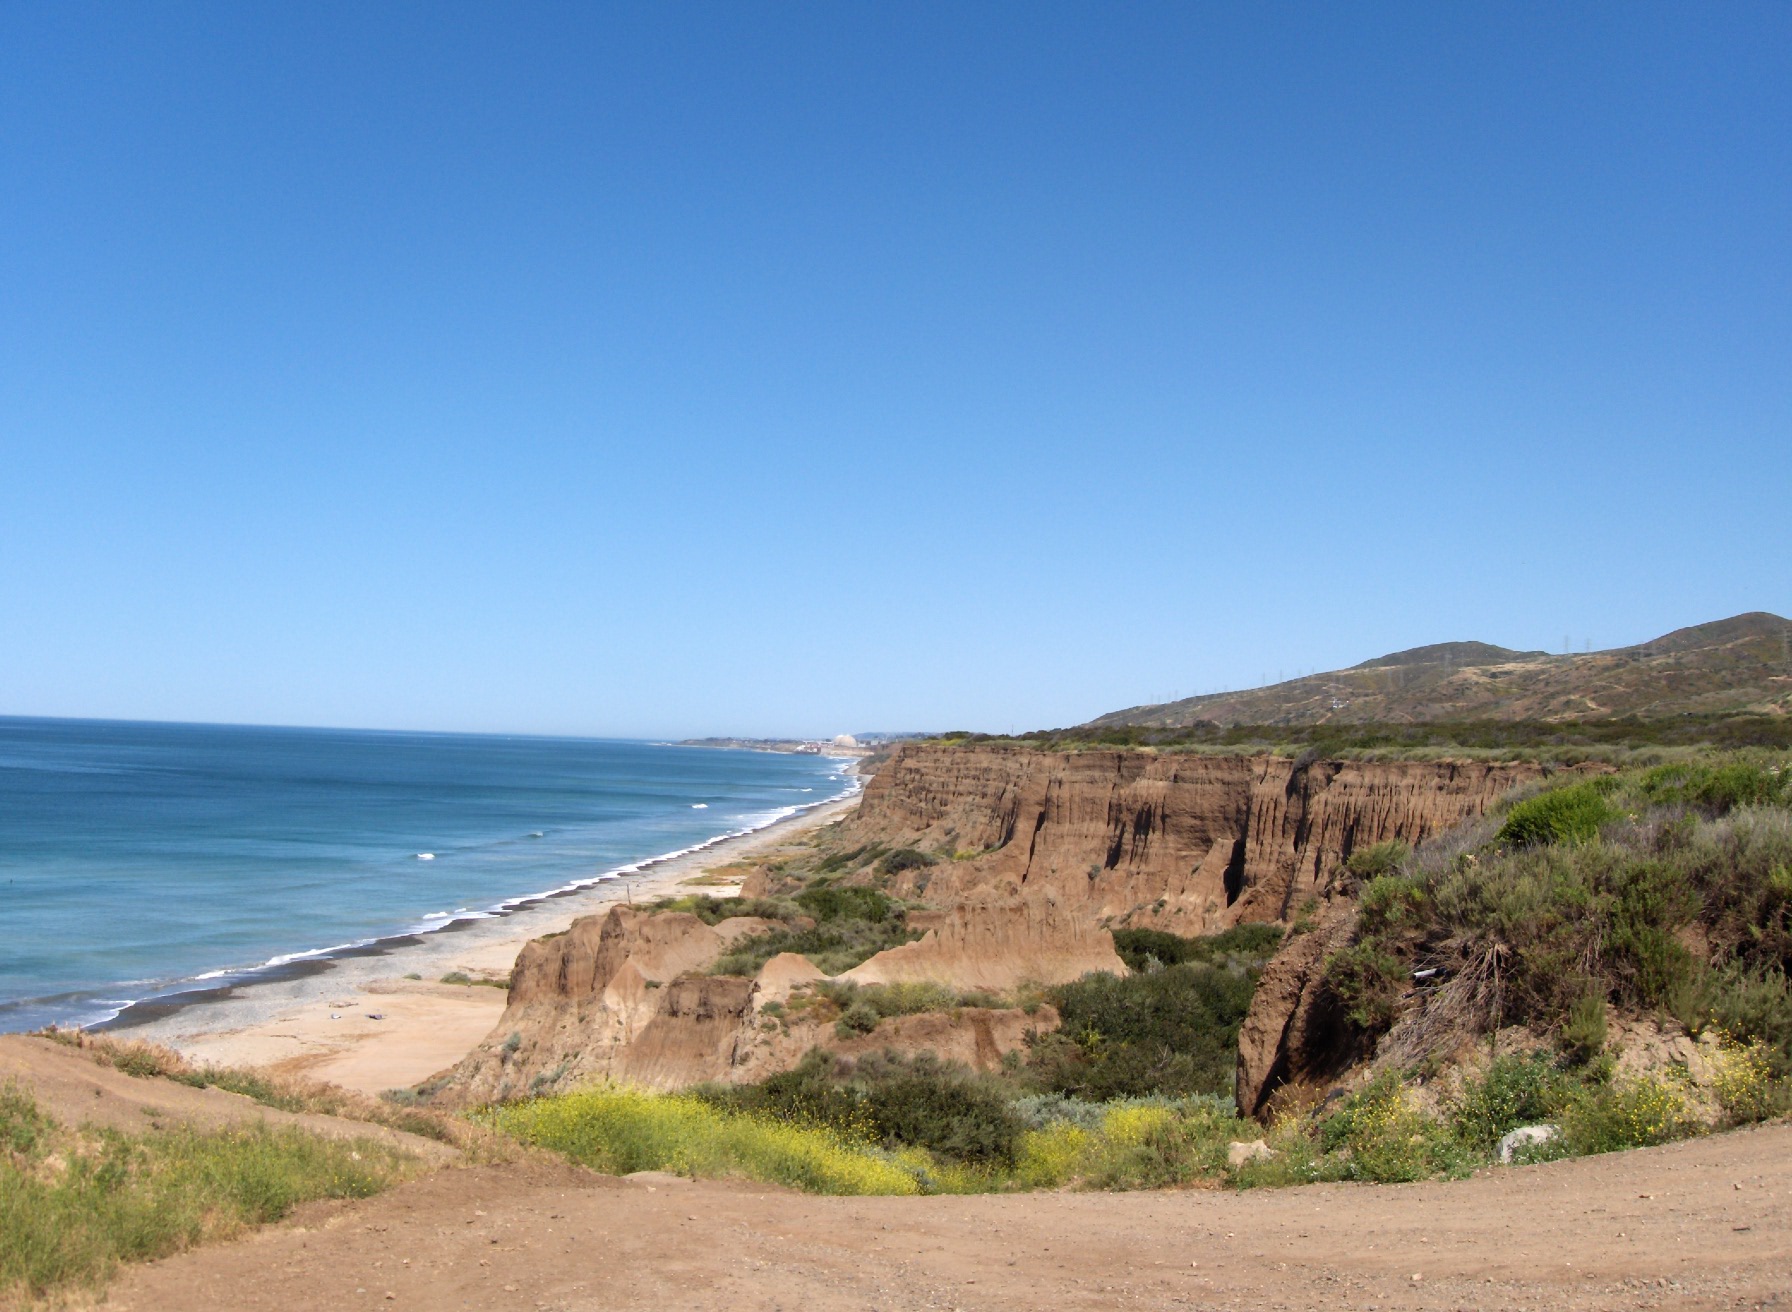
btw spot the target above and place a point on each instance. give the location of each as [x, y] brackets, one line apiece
[1702, 1224]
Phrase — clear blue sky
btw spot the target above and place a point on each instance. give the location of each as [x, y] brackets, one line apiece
[664, 369]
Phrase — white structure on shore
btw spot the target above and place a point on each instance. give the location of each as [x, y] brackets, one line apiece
[845, 740]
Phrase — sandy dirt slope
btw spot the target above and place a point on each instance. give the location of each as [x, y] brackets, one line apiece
[76, 1090]
[1703, 1224]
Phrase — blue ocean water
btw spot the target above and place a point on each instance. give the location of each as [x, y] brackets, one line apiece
[135, 858]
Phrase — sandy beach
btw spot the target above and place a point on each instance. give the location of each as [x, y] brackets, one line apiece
[385, 1020]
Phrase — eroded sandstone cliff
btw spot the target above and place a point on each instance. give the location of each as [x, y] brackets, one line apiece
[621, 996]
[1187, 843]
[1038, 854]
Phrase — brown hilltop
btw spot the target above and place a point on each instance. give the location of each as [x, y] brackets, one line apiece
[1739, 665]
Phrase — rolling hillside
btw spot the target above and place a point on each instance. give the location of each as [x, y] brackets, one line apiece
[1738, 665]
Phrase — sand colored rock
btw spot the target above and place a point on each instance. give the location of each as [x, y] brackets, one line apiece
[784, 972]
[977, 1036]
[997, 942]
[621, 997]
[1288, 1036]
[579, 1001]
[580, 963]
[1187, 843]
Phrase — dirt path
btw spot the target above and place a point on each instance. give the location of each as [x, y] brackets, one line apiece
[1703, 1224]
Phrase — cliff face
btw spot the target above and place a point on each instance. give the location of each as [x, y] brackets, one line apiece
[1190, 844]
[619, 997]
[1053, 848]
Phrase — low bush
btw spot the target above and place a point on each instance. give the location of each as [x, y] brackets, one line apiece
[1242, 946]
[1714, 789]
[621, 1130]
[1570, 814]
[1172, 1031]
[903, 858]
[1748, 1004]
[1388, 1139]
[1637, 1111]
[851, 859]
[1367, 982]
[831, 902]
[1666, 890]
[1377, 859]
[918, 1102]
[1129, 1144]
[1744, 1080]
[1511, 1092]
[714, 910]
[833, 946]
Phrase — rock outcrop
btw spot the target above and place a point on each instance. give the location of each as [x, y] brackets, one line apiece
[996, 943]
[619, 996]
[1187, 843]
[1289, 1035]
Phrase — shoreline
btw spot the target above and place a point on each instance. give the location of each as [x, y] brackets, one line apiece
[376, 1016]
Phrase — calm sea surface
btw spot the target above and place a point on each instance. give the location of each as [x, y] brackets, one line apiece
[138, 857]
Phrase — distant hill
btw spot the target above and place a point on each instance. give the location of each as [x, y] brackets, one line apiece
[1738, 665]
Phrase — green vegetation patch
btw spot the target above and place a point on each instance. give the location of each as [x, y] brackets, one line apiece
[1572, 814]
[851, 925]
[1667, 889]
[1168, 1029]
[621, 1130]
[75, 1204]
[896, 1101]
[714, 910]
[1242, 945]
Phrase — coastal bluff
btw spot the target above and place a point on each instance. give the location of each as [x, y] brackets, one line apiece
[1030, 860]
[1187, 843]
[624, 996]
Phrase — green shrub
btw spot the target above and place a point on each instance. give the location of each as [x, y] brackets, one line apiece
[1629, 1112]
[1367, 981]
[1572, 814]
[860, 1018]
[1388, 1139]
[1583, 1032]
[1748, 1088]
[1241, 947]
[902, 999]
[22, 1126]
[918, 1102]
[849, 860]
[1147, 949]
[1173, 1031]
[1511, 1092]
[1715, 789]
[1378, 859]
[714, 910]
[903, 858]
[1390, 903]
[830, 903]
[1747, 1004]
[835, 945]
[928, 1105]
